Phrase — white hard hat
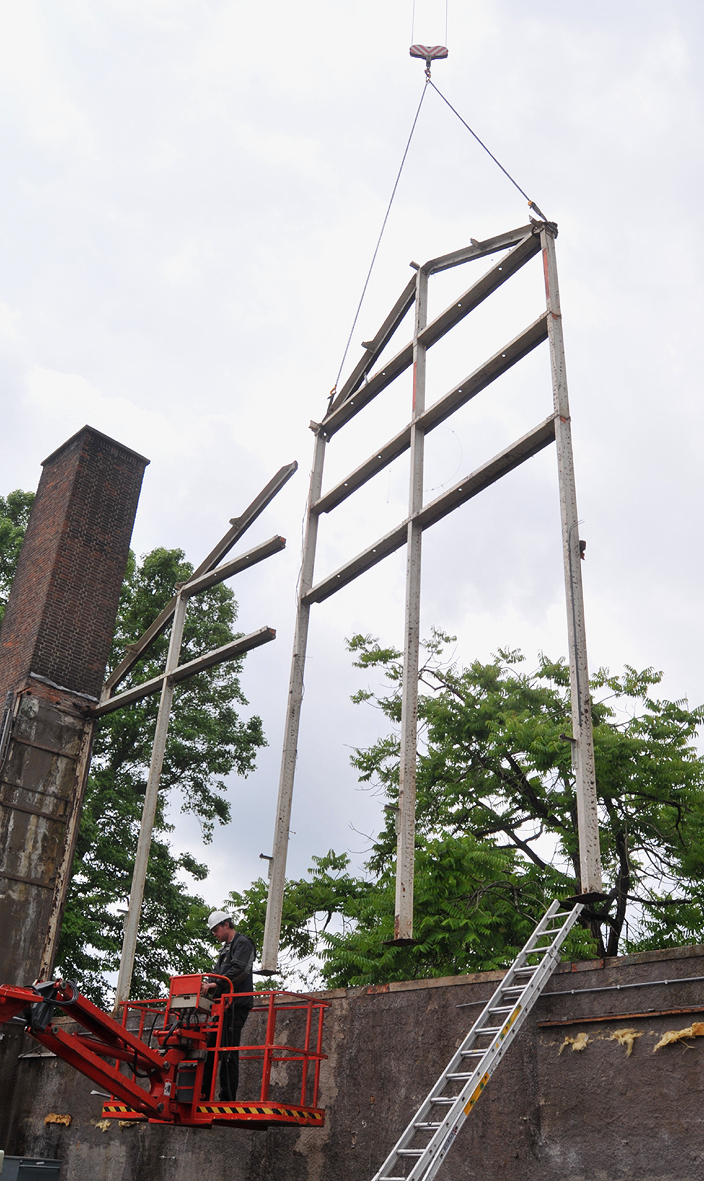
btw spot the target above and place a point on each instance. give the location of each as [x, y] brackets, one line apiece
[218, 916]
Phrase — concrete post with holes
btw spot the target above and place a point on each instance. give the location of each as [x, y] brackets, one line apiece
[405, 848]
[289, 754]
[582, 740]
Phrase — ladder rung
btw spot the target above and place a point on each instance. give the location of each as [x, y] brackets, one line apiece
[460, 1075]
[489, 1030]
[502, 1009]
[472, 1053]
[450, 1099]
[427, 1125]
[392, 1179]
[410, 1151]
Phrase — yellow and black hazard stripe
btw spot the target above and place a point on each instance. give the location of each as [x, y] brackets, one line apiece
[263, 1112]
[122, 1110]
[277, 1111]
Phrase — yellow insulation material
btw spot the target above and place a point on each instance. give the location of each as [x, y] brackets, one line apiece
[53, 1118]
[626, 1037]
[580, 1042]
[696, 1029]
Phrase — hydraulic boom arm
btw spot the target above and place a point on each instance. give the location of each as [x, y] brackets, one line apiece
[107, 1039]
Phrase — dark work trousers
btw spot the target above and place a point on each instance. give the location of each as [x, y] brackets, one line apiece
[233, 1021]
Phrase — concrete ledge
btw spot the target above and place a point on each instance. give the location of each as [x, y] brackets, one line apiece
[645, 957]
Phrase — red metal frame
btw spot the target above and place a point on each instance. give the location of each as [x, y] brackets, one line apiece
[261, 1109]
[174, 1071]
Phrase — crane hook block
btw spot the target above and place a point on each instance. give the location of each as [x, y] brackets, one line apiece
[428, 53]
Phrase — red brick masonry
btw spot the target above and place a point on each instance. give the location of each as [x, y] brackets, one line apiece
[61, 613]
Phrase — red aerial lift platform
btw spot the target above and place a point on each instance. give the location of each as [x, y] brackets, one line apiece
[162, 1082]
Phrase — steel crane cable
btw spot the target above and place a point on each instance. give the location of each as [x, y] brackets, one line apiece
[531, 204]
[413, 21]
[333, 391]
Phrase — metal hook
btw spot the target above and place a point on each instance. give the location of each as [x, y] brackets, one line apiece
[428, 53]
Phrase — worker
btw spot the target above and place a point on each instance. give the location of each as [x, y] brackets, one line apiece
[235, 962]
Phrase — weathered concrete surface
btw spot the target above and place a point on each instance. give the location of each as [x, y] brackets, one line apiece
[594, 1115]
[41, 788]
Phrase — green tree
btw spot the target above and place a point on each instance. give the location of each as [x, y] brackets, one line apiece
[496, 761]
[208, 740]
[14, 515]
[496, 823]
[474, 907]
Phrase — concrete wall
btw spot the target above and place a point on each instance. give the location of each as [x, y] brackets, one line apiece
[41, 783]
[593, 1115]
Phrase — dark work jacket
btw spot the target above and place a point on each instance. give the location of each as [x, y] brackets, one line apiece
[235, 961]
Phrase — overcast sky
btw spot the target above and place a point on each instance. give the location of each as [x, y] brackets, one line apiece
[191, 193]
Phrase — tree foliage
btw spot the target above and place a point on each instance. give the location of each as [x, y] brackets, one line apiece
[207, 741]
[14, 515]
[496, 836]
[496, 761]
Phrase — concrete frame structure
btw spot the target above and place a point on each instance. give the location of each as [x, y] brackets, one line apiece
[516, 248]
[208, 574]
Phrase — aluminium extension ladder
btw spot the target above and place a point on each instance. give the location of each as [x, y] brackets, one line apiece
[433, 1129]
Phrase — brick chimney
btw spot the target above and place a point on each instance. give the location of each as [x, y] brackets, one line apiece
[54, 645]
[61, 613]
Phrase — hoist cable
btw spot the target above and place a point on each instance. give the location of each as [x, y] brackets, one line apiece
[531, 204]
[489, 153]
[378, 242]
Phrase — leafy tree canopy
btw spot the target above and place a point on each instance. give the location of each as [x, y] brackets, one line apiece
[208, 740]
[496, 823]
[14, 515]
